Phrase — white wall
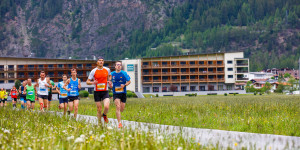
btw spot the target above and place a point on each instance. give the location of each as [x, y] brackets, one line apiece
[133, 85]
[231, 56]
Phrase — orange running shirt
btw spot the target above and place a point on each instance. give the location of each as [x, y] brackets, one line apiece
[100, 75]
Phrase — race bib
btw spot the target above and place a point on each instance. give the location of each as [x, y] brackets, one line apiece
[73, 93]
[64, 94]
[30, 93]
[42, 90]
[13, 93]
[101, 86]
[119, 89]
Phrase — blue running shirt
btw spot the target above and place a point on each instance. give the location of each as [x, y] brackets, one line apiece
[118, 79]
[74, 87]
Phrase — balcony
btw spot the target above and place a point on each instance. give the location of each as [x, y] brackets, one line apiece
[175, 73]
[242, 64]
[193, 72]
[211, 72]
[21, 76]
[202, 72]
[156, 73]
[147, 81]
[194, 80]
[175, 80]
[203, 80]
[31, 68]
[212, 80]
[50, 68]
[220, 65]
[156, 66]
[81, 75]
[221, 80]
[186, 73]
[165, 73]
[165, 80]
[220, 72]
[242, 79]
[146, 73]
[166, 65]
[11, 69]
[1, 69]
[156, 81]
[146, 66]
[185, 80]
[174, 65]
[22, 69]
[241, 71]
[184, 65]
[211, 65]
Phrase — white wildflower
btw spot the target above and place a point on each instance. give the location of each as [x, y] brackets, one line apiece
[109, 128]
[102, 136]
[79, 140]
[6, 131]
[91, 132]
[82, 136]
[64, 131]
[70, 138]
[179, 148]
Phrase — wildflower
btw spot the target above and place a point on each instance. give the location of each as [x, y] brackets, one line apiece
[179, 148]
[70, 138]
[6, 131]
[102, 136]
[235, 144]
[64, 131]
[199, 144]
[109, 128]
[79, 140]
[82, 136]
[91, 132]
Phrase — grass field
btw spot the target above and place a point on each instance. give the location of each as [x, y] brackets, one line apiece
[269, 114]
[32, 130]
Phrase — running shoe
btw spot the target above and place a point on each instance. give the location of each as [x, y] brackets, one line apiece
[105, 119]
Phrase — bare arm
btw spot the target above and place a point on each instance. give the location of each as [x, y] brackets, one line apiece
[65, 86]
[79, 83]
[25, 88]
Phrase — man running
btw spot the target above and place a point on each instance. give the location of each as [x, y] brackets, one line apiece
[120, 80]
[22, 94]
[42, 85]
[50, 91]
[14, 96]
[30, 91]
[5, 98]
[63, 94]
[100, 76]
[74, 84]
[2, 95]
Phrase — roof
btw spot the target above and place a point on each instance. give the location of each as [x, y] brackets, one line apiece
[194, 54]
[40, 58]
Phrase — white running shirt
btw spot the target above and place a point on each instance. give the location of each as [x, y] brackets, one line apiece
[43, 90]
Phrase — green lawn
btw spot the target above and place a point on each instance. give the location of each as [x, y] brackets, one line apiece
[31, 130]
[270, 114]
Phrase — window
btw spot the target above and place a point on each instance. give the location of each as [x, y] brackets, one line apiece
[146, 89]
[174, 77]
[1, 81]
[229, 69]
[106, 64]
[144, 63]
[20, 66]
[165, 70]
[155, 70]
[183, 70]
[201, 77]
[50, 66]
[155, 89]
[164, 89]
[192, 70]
[155, 78]
[220, 76]
[192, 63]
[193, 77]
[60, 65]
[210, 69]
[11, 81]
[230, 76]
[202, 88]
[229, 87]
[211, 77]
[229, 62]
[164, 63]
[183, 88]
[183, 77]
[173, 63]
[165, 78]
[79, 65]
[219, 69]
[219, 62]
[174, 70]
[155, 64]
[70, 65]
[192, 88]
[201, 62]
[182, 63]
[210, 62]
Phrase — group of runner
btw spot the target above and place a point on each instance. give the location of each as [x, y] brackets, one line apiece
[68, 89]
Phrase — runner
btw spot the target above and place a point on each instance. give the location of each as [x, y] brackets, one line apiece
[63, 94]
[120, 80]
[74, 84]
[2, 95]
[50, 91]
[5, 97]
[41, 86]
[22, 94]
[30, 91]
[100, 76]
[14, 96]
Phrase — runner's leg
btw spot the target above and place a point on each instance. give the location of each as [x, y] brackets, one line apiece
[118, 114]
[76, 102]
[99, 111]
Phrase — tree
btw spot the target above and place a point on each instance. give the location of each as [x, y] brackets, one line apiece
[267, 87]
[287, 75]
[17, 84]
[248, 86]
[291, 84]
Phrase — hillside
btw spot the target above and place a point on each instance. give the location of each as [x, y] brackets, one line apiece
[266, 30]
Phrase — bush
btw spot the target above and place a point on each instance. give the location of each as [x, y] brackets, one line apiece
[129, 94]
[234, 94]
[84, 93]
[225, 94]
[134, 95]
[156, 95]
[254, 92]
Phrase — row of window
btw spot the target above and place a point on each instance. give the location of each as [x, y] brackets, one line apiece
[59, 66]
[185, 88]
[190, 62]
[191, 77]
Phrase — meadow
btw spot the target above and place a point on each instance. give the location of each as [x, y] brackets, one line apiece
[33, 130]
[268, 114]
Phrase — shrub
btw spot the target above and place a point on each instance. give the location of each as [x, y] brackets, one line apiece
[225, 94]
[129, 94]
[254, 92]
[156, 95]
[84, 93]
[234, 94]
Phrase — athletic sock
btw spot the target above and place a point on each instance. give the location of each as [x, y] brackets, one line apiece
[22, 106]
[69, 112]
[41, 106]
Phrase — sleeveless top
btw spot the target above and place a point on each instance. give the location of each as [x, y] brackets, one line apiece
[42, 89]
[74, 87]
